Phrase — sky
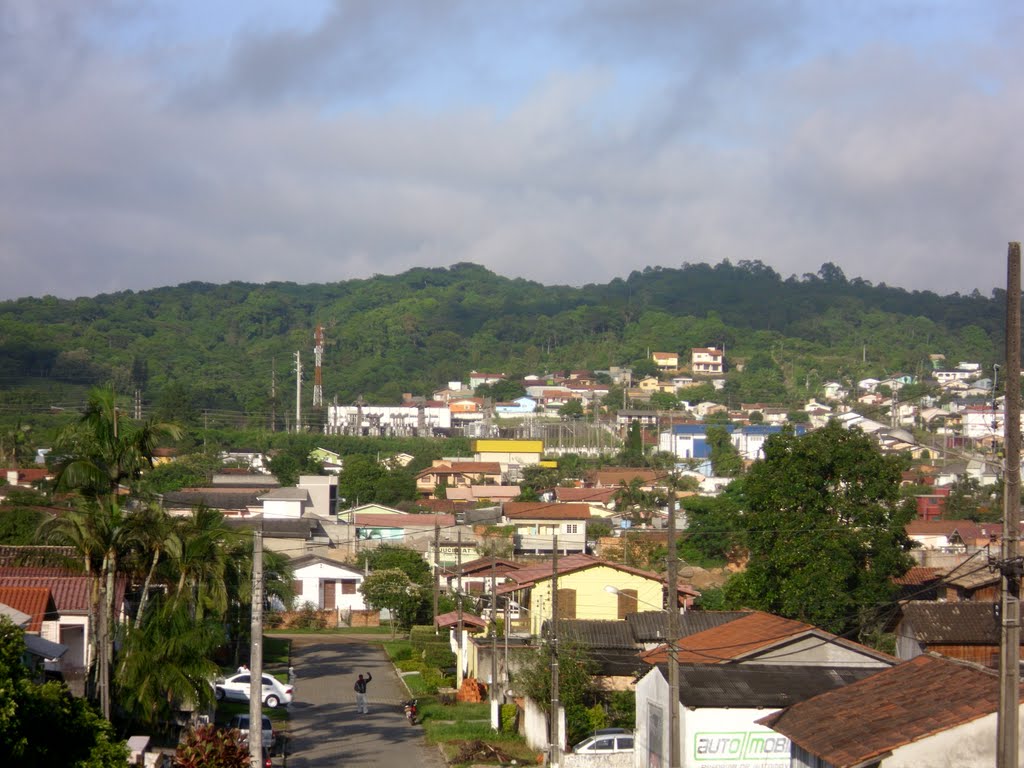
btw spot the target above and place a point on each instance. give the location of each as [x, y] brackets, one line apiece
[146, 143]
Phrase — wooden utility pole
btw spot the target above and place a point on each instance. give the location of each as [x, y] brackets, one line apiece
[256, 653]
[1010, 564]
[555, 756]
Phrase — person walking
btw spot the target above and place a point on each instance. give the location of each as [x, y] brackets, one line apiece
[361, 704]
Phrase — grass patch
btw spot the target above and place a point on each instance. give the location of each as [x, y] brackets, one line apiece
[515, 750]
[466, 731]
[277, 650]
[398, 650]
[416, 684]
[431, 709]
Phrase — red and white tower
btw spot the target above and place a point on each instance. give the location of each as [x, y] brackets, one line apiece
[318, 354]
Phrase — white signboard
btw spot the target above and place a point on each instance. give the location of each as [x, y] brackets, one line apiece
[729, 738]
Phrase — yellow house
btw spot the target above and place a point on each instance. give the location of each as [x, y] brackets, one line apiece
[505, 452]
[583, 582]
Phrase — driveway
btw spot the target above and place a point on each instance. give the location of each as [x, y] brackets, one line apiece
[325, 729]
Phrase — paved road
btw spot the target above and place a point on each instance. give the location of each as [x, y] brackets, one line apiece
[325, 729]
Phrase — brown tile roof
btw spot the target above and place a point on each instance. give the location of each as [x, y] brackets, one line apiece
[70, 593]
[941, 623]
[543, 510]
[482, 565]
[918, 576]
[60, 558]
[864, 720]
[611, 478]
[378, 520]
[732, 640]
[451, 619]
[34, 601]
[585, 495]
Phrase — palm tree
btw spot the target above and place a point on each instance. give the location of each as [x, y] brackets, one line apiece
[154, 541]
[166, 663]
[105, 447]
[202, 562]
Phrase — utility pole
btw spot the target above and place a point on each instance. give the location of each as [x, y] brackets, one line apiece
[555, 756]
[673, 631]
[273, 394]
[1010, 563]
[298, 391]
[256, 652]
[495, 709]
[437, 570]
[458, 603]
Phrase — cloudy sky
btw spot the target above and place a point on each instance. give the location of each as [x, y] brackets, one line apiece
[152, 142]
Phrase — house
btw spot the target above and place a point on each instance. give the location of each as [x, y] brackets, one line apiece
[510, 455]
[537, 523]
[34, 611]
[719, 708]
[689, 440]
[477, 378]
[707, 361]
[929, 711]
[483, 493]
[968, 631]
[521, 406]
[869, 384]
[666, 361]
[582, 590]
[615, 478]
[763, 638]
[600, 500]
[458, 473]
[833, 390]
[327, 584]
[451, 551]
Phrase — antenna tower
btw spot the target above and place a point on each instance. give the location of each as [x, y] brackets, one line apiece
[318, 353]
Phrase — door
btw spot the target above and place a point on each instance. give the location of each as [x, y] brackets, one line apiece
[329, 592]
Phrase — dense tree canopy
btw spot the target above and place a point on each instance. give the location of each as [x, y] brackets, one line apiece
[824, 525]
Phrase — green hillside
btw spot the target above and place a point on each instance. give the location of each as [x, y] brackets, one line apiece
[199, 346]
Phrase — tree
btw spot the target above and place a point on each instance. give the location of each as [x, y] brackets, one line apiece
[386, 556]
[664, 401]
[634, 502]
[968, 499]
[572, 410]
[575, 683]
[364, 480]
[44, 725]
[825, 530]
[725, 459]
[392, 590]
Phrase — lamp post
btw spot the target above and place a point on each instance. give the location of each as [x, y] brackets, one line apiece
[672, 638]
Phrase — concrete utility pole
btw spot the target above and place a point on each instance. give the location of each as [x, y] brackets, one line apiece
[318, 361]
[458, 603]
[256, 653]
[672, 603]
[556, 742]
[437, 570]
[1010, 562]
[495, 708]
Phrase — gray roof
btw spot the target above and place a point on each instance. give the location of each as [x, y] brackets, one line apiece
[650, 626]
[215, 498]
[280, 527]
[598, 634]
[940, 623]
[759, 685]
[288, 493]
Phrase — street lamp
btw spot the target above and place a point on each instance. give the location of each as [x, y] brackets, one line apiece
[672, 638]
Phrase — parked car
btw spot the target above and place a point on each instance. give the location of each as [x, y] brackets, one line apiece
[237, 686]
[241, 724]
[606, 741]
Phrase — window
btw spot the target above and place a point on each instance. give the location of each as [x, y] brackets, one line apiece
[571, 528]
[348, 586]
[604, 745]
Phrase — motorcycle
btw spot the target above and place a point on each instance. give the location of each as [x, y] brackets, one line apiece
[410, 711]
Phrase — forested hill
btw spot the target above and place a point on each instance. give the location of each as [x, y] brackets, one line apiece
[215, 346]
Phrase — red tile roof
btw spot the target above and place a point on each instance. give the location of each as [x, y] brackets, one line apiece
[586, 495]
[544, 510]
[611, 478]
[451, 619]
[34, 601]
[864, 720]
[70, 593]
[918, 576]
[733, 640]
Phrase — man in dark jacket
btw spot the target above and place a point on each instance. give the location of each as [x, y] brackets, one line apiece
[361, 705]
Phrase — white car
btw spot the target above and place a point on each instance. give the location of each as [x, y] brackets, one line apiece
[605, 742]
[237, 686]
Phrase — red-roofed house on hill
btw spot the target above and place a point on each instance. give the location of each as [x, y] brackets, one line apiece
[537, 523]
[458, 474]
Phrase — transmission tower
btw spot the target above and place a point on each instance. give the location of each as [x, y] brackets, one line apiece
[318, 354]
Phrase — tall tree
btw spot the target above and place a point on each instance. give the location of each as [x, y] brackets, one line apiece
[725, 459]
[825, 528]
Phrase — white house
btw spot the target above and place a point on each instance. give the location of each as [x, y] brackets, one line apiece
[327, 584]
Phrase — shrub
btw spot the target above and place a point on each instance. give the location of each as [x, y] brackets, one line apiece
[509, 716]
[273, 619]
[309, 617]
[439, 656]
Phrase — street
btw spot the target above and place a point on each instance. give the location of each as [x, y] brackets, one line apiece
[325, 729]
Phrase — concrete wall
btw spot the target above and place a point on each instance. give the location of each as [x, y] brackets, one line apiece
[617, 760]
[534, 726]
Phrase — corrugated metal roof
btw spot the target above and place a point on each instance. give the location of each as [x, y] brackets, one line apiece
[940, 623]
